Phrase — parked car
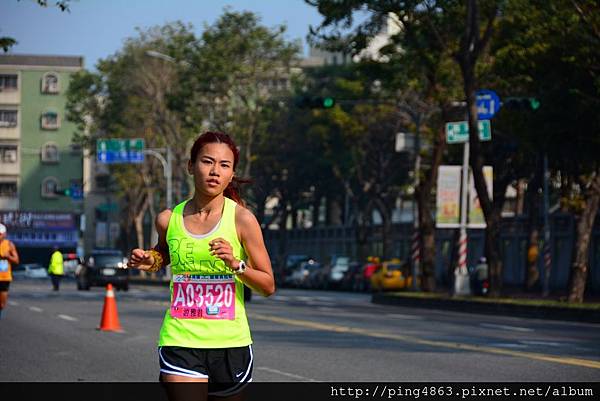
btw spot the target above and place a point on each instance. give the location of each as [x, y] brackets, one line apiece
[102, 267]
[292, 263]
[391, 275]
[338, 267]
[352, 279]
[29, 270]
[317, 278]
[299, 276]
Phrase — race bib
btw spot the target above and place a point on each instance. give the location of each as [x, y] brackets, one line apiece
[203, 297]
[3, 265]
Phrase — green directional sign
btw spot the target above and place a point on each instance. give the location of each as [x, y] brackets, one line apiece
[458, 132]
[120, 150]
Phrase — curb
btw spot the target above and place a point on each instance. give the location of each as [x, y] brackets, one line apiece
[459, 305]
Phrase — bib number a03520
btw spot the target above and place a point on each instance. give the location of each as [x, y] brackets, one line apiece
[203, 297]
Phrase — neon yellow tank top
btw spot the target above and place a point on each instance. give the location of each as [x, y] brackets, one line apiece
[207, 300]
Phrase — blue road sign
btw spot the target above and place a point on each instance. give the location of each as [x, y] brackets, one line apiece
[76, 192]
[488, 104]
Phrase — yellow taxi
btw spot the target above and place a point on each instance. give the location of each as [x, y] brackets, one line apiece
[391, 275]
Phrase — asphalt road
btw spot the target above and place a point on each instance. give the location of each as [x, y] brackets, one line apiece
[299, 336]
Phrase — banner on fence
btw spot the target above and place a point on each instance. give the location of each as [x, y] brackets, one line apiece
[475, 217]
[448, 197]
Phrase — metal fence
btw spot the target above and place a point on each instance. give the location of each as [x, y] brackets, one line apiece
[323, 242]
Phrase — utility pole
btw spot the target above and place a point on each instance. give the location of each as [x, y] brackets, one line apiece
[461, 274]
[167, 169]
[547, 249]
[416, 238]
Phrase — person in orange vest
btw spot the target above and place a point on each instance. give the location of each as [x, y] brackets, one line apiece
[8, 257]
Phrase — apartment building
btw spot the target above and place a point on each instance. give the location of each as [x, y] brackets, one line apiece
[37, 157]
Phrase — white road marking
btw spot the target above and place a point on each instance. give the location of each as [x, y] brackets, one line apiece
[401, 316]
[504, 327]
[279, 372]
[13, 303]
[35, 309]
[546, 343]
[69, 318]
[280, 298]
[507, 345]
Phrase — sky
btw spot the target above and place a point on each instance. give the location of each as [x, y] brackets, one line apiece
[96, 29]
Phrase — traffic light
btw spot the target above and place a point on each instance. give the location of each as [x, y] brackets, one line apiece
[521, 103]
[315, 102]
[63, 192]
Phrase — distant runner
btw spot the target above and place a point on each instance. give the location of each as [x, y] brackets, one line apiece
[9, 257]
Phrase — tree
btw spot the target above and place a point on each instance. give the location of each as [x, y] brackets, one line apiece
[134, 96]
[242, 65]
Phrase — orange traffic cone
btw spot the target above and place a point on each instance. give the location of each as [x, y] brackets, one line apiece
[110, 317]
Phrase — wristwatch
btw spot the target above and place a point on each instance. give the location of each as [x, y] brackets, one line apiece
[241, 268]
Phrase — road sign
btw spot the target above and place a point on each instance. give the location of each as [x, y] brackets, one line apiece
[488, 103]
[405, 142]
[76, 192]
[458, 132]
[120, 150]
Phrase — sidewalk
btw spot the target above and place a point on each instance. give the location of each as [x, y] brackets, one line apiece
[515, 304]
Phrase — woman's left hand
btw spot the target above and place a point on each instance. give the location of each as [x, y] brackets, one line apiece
[222, 250]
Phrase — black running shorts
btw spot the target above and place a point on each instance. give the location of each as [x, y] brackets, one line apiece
[4, 285]
[228, 369]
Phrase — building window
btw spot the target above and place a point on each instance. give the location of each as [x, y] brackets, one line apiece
[50, 153]
[50, 83]
[8, 118]
[49, 187]
[76, 149]
[50, 120]
[8, 189]
[8, 82]
[8, 154]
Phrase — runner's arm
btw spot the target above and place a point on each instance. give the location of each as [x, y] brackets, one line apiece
[259, 274]
[142, 259]
[13, 255]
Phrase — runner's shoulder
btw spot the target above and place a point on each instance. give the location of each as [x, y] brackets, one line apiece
[244, 216]
[162, 219]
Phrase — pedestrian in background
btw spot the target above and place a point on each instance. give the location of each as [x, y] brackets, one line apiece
[215, 247]
[8, 257]
[56, 268]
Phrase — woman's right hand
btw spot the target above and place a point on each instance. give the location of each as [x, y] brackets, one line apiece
[140, 259]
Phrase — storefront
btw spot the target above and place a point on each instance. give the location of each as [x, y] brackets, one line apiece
[36, 233]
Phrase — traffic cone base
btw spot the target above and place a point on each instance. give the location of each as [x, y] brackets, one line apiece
[110, 317]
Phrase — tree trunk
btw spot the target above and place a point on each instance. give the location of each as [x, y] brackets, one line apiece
[386, 218]
[361, 226]
[426, 222]
[585, 224]
[533, 250]
[519, 204]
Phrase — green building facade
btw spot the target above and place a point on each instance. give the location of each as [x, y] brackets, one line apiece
[38, 160]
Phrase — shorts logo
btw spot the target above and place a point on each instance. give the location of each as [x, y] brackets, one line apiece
[239, 374]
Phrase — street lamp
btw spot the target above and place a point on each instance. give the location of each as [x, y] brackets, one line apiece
[162, 56]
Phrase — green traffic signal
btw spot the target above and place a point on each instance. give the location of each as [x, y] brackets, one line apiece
[328, 102]
[534, 103]
[521, 103]
[63, 192]
[314, 102]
